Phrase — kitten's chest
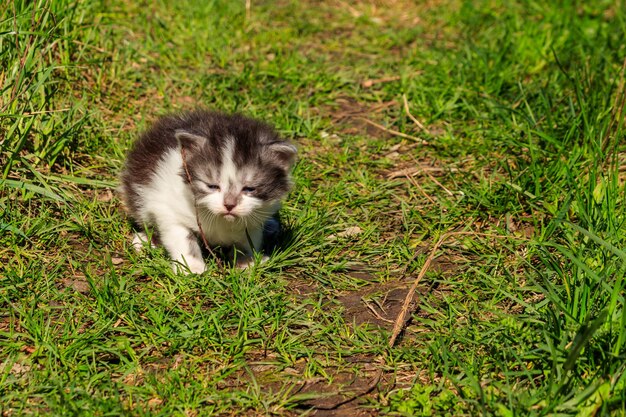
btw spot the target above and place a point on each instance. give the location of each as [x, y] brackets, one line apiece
[222, 232]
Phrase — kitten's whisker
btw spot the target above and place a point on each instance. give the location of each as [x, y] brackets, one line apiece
[205, 217]
[260, 217]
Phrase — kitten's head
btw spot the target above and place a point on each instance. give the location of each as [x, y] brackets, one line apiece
[240, 168]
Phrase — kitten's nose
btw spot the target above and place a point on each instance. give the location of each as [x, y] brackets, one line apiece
[229, 207]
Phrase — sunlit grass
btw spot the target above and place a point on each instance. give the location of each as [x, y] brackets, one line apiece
[523, 114]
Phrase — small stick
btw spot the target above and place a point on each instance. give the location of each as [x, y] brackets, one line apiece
[433, 179]
[416, 184]
[408, 112]
[248, 7]
[393, 132]
[32, 113]
[369, 83]
[401, 319]
[618, 107]
[397, 328]
[374, 312]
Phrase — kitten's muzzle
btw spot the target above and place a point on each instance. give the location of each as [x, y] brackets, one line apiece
[229, 216]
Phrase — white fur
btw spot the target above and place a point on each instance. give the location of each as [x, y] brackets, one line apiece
[229, 171]
[169, 204]
[140, 239]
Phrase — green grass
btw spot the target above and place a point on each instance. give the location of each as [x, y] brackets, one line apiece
[522, 314]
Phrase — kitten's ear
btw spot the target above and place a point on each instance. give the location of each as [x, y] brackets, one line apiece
[189, 140]
[284, 153]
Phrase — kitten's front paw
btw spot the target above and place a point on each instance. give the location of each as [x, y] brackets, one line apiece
[193, 265]
[247, 261]
[140, 239]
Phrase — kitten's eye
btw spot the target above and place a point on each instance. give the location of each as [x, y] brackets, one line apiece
[248, 189]
[213, 187]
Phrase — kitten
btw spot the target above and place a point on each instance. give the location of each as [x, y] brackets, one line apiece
[238, 171]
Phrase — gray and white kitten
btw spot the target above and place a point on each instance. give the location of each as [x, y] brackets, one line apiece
[240, 170]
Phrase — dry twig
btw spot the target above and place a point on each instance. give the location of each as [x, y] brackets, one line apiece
[401, 318]
[370, 82]
[421, 190]
[394, 132]
[408, 112]
[248, 7]
[374, 312]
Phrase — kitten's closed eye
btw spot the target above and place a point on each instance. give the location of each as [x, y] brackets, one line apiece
[212, 187]
[248, 190]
